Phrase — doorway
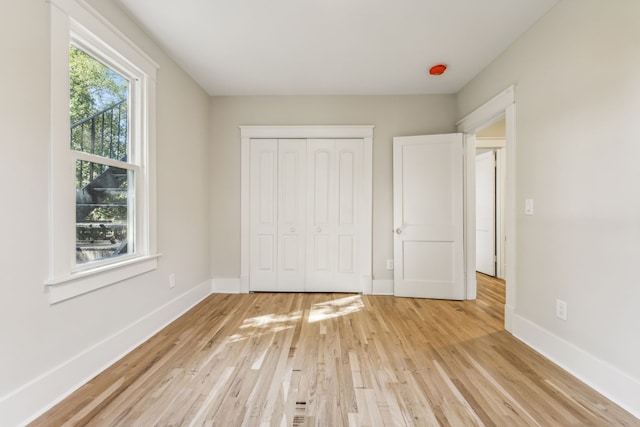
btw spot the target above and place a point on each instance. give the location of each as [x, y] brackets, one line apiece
[500, 107]
[490, 190]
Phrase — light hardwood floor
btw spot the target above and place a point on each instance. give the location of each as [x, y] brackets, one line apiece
[337, 360]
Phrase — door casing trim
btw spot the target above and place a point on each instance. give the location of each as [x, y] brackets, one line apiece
[501, 105]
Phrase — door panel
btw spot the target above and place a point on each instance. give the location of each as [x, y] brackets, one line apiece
[291, 215]
[486, 213]
[349, 189]
[320, 170]
[320, 194]
[424, 164]
[346, 188]
[346, 255]
[264, 214]
[266, 253]
[428, 216]
[335, 183]
[433, 259]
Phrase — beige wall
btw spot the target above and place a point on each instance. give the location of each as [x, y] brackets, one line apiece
[391, 115]
[578, 145]
[577, 77]
[39, 340]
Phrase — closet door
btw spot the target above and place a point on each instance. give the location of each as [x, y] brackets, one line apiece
[348, 204]
[263, 254]
[305, 197]
[291, 215]
[321, 215]
[334, 180]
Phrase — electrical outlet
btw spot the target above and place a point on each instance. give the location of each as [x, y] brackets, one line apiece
[172, 280]
[389, 264]
[561, 309]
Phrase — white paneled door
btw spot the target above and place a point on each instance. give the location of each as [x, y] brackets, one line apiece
[305, 195]
[264, 214]
[334, 186]
[291, 215]
[428, 216]
[486, 213]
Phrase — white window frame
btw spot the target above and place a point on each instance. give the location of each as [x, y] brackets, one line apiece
[75, 22]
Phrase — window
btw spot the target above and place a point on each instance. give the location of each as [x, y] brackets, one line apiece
[102, 209]
[104, 169]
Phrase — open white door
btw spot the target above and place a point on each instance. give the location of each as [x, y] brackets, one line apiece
[486, 213]
[428, 216]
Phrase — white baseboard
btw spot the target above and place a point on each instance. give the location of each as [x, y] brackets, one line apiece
[226, 286]
[509, 313]
[606, 379]
[244, 284]
[366, 285]
[31, 400]
[382, 287]
[240, 285]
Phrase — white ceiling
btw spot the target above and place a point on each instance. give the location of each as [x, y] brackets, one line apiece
[330, 47]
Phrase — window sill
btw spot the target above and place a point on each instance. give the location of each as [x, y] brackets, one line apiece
[83, 282]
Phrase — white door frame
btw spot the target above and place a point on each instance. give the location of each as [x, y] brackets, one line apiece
[365, 226]
[502, 105]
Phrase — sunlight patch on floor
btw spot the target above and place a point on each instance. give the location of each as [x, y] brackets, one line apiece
[262, 325]
[335, 308]
[275, 322]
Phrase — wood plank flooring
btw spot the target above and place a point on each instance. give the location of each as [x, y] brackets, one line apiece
[337, 360]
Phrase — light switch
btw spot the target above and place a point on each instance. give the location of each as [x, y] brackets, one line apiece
[528, 207]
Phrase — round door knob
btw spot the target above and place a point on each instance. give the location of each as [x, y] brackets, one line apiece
[398, 230]
[319, 230]
[293, 229]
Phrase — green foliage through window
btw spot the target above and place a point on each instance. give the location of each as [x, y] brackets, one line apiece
[99, 126]
[93, 86]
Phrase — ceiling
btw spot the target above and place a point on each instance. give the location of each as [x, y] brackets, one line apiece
[334, 47]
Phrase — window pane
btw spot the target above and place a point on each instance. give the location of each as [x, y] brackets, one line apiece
[102, 211]
[98, 107]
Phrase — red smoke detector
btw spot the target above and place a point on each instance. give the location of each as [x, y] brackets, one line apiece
[437, 70]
